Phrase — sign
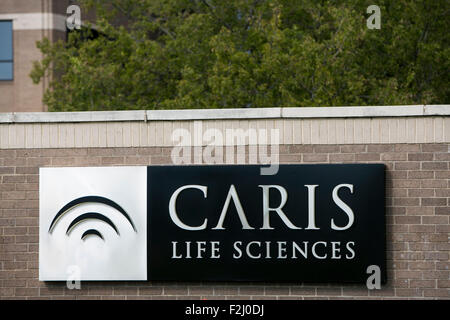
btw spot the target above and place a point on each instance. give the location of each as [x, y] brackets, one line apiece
[93, 222]
[307, 223]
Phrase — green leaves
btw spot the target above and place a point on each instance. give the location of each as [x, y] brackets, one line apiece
[250, 53]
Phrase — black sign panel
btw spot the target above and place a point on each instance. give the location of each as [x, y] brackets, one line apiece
[307, 223]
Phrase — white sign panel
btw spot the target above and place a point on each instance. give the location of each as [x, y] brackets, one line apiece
[93, 224]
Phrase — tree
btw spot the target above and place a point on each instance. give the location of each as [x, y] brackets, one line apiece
[174, 54]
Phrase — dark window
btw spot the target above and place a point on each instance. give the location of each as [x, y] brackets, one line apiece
[6, 50]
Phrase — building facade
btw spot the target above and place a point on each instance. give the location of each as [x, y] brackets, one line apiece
[412, 142]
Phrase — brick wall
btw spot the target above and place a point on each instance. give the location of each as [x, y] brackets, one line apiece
[418, 228]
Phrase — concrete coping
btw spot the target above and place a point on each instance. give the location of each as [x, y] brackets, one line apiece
[222, 114]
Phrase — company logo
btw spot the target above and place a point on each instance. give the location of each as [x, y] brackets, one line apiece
[205, 223]
[88, 221]
[90, 216]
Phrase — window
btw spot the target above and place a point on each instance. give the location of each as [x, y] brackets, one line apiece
[6, 50]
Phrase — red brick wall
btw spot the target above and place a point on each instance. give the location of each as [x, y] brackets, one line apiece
[418, 229]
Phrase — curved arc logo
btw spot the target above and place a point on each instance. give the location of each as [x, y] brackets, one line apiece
[90, 215]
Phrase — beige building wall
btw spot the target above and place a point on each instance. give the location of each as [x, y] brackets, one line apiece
[155, 128]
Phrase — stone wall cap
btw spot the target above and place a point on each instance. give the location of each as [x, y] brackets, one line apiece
[223, 114]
